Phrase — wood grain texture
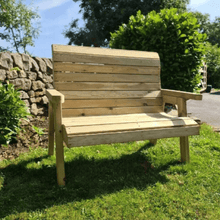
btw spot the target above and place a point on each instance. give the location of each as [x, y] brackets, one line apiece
[96, 86]
[103, 103]
[181, 94]
[110, 94]
[127, 136]
[106, 56]
[93, 77]
[111, 111]
[128, 126]
[101, 68]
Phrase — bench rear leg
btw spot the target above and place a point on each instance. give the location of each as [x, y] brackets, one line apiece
[51, 130]
[184, 149]
[153, 141]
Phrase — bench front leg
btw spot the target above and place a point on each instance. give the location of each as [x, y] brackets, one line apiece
[51, 130]
[184, 141]
[57, 109]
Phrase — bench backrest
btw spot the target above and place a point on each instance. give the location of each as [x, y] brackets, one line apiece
[100, 81]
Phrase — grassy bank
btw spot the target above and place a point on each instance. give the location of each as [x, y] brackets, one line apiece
[120, 181]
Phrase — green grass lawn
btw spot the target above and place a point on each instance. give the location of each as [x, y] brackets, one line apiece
[119, 181]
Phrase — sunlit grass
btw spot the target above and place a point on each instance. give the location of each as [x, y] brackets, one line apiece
[119, 181]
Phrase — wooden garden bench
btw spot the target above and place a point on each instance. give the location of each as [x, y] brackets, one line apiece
[105, 96]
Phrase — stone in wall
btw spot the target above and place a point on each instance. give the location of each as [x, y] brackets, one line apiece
[42, 64]
[26, 61]
[2, 75]
[32, 75]
[36, 85]
[24, 84]
[6, 62]
[40, 93]
[44, 100]
[39, 75]
[34, 66]
[27, 103]
[49, 65]
[47, 79]
[49, 86]
[17, 60]
[22, 74]
[23, 95]
[12, 74]
[31, 93]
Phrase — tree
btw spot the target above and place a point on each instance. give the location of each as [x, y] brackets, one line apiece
[214, 32]
[104, 16]
[174, 36]
[213, 64]
[17, 18]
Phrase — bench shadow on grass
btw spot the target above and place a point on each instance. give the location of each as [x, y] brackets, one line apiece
[31, 189]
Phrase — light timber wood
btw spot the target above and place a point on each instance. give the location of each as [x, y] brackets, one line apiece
[57, 108]
[122, 137]
[105, 56]
[99, 77]
[102, 128]
[180, 94]
[110, 111]
[84, 68]
[170, 99]
[54, 96]
[100, 103]
[110, 94]
[114, 119]
[78, 86]
[51, 130]
[184, 141]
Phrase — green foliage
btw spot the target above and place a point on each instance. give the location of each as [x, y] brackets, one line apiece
[39, 131]
[104, 16]
[214, 32]
[213, 64]
[15, 68]
[174, 36]
[17, 18]
[12, 109]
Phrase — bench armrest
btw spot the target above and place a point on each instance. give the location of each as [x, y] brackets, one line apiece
[54, 96]
[180, 94]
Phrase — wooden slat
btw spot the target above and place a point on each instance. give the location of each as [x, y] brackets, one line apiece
[110, 94]
[100, 103]
[85, 68]
[100, 120]
[170, 99]
[122, 137]
[111, 111]
[70, 86]
[129, 126]
[106, 56]
[181, 94]
[92, 77]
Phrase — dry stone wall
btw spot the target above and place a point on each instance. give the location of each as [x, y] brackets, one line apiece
[32, 75]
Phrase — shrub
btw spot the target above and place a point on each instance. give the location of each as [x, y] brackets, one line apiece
[12, 109]
[213, 64]
[174, 37]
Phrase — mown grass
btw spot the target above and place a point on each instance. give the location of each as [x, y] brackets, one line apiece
[119, 181]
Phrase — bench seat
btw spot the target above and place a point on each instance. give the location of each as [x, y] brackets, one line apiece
[105, 129]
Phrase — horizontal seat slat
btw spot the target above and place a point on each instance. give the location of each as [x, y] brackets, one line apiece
[102, 128]
[93, 77]
[78, 86]
[109, 94]
[110, 111]
[100, 103]
[135, 135]
[85, 68]
[114, 119]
